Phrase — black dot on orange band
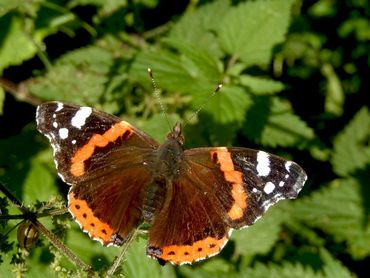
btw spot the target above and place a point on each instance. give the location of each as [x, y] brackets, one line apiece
[92, 224]
[200, 249]
[171, 253]
[186, 253]
[77, 206]
[104, 231]
[212, 245]
[84, 215]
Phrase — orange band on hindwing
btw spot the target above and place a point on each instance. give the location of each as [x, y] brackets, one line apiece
[84, 216]
[201, 249]
[97, 140]
[223, 158]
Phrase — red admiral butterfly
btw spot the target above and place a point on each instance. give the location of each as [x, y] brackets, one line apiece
[192, 199]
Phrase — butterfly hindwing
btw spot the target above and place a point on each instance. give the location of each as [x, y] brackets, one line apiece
[189, 227]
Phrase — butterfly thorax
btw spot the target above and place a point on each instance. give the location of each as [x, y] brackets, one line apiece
[169, 155]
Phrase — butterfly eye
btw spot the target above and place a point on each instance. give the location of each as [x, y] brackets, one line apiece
[27, 235]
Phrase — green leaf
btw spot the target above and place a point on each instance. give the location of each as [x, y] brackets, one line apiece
[338, 210]
[323, 8]
[225, 113]
[91, 251]
[334, 100]
[39, 183]
[16, 46]
[261, 86]
[192, 72]
[359, 26]
[351, 151]
[251, 30]
[229, 105]
[214, 267]
[89, 68]
[35, 264]
[8, 5]
[137, 264]
[285, 270]
[17, 157]
[271, 122]
[157, 126]
[205, 64]
[333, 267]
[261, 236]
[197, 26]
[107, 7]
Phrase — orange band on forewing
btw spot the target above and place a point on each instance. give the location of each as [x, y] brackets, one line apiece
[201, 249]
[235, 178]
[84, 216]
[97, 140]
[224, 158]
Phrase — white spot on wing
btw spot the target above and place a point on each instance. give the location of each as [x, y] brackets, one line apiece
[80, 118]
[55, 124]
[281, 184]
[63, 133]
[263, 163]
[269, 187]
[54, 116]
[59, 107]
[287, 165]
[73, 142]
[254, 190]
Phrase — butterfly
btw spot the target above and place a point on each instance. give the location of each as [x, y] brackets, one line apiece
[192, 199]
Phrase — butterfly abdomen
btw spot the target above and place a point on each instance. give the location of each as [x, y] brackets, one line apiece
[154, 199]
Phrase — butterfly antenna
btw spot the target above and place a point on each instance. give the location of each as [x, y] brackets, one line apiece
[158, 97]
[218, 88]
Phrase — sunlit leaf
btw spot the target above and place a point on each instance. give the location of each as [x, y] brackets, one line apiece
[16, 46]
[272, 123]
[351, 151]
[250, 30]
[261, 86]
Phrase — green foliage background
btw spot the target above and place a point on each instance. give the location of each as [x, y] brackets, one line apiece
[296, 83]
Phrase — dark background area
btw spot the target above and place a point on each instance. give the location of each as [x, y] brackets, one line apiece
[307, 102]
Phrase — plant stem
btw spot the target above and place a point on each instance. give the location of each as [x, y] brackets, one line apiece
[123, 252]
[20, 91]
[32, 217]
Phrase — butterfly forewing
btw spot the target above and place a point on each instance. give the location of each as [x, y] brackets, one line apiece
[82, 136]
[245, 182]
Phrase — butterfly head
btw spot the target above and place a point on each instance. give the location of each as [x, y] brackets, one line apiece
[176, 134]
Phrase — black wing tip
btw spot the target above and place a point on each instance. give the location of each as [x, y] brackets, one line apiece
[44, 113]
